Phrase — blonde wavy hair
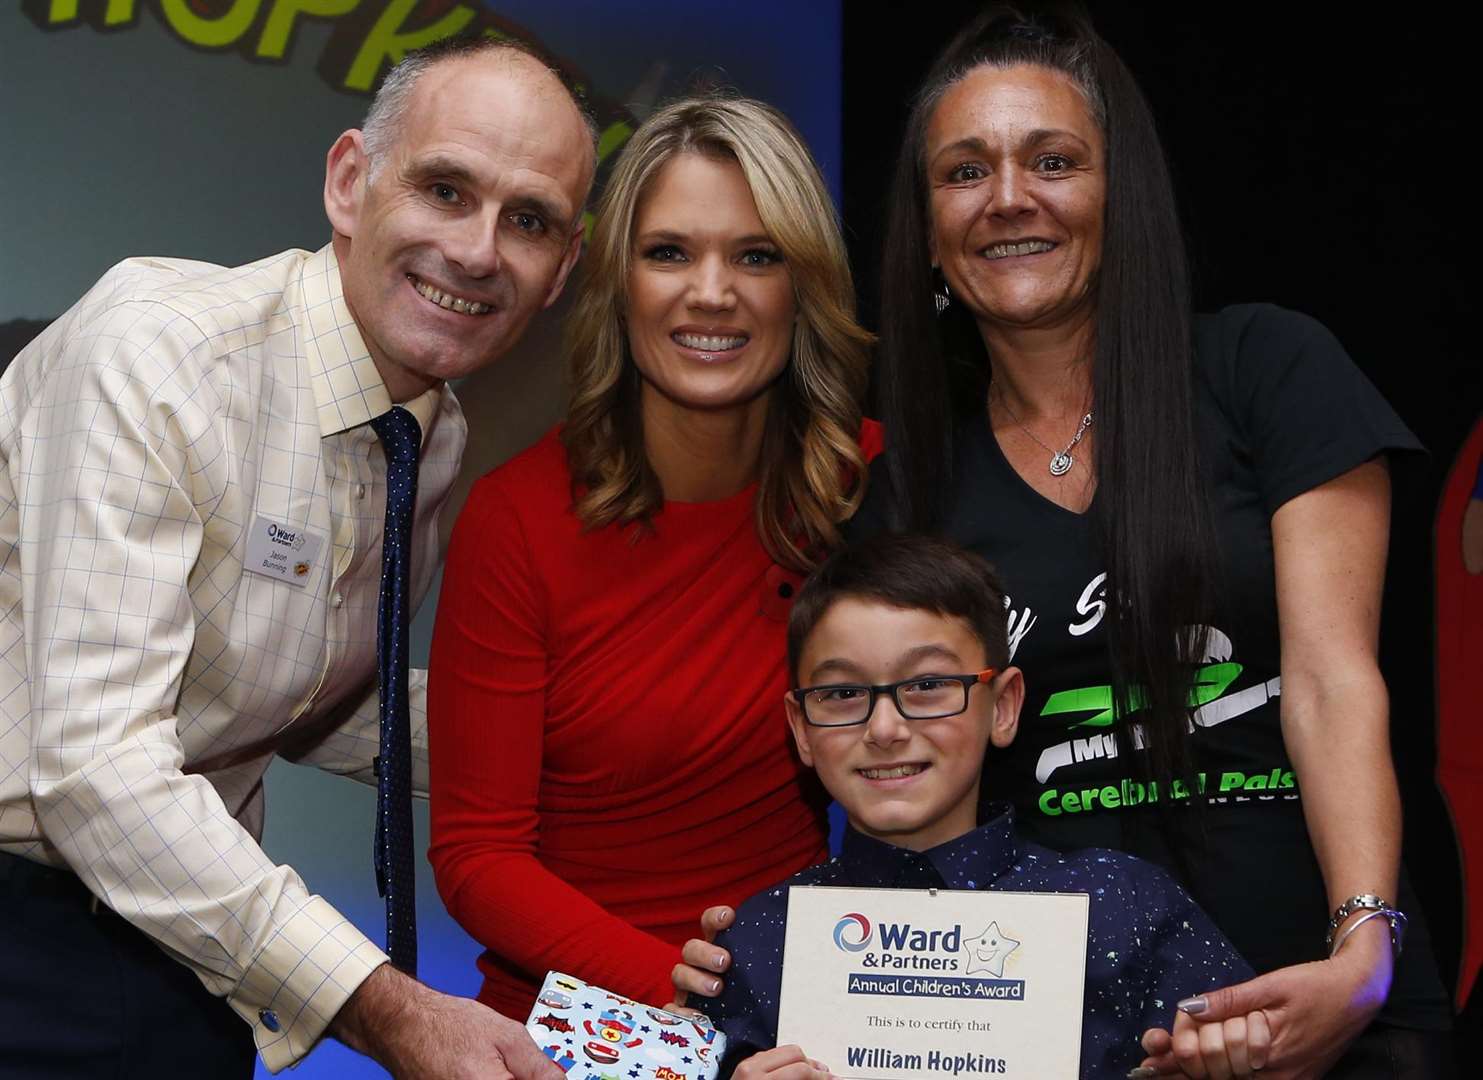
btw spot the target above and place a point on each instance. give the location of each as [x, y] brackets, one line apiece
[811, 472]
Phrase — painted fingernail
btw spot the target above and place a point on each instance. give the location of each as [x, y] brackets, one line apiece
[718, 962]
[715, 986]
[1142, 1072]
[1192, 1006]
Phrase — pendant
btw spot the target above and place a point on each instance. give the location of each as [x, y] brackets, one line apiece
[1060, 464]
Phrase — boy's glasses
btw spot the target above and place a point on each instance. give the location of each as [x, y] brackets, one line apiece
[922, 697]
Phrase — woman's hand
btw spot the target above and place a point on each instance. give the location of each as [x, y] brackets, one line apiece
[1236, 1047]
[783, 1063]
[1310, 1013]
[700, 961]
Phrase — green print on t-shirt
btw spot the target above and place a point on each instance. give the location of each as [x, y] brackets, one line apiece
[1211, 681]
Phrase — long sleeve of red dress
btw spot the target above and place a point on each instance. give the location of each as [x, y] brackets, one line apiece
[609, 751]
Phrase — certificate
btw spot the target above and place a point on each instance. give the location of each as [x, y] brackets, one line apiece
[893, 984]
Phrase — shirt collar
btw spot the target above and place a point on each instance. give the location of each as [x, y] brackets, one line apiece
[348, 389]
[971, 861]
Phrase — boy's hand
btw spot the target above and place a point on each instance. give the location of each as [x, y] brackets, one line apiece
[700, 960]
[782, 1063]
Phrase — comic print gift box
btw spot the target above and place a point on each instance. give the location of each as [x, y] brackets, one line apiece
[596, 1035]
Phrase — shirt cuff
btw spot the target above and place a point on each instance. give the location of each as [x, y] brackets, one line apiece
[300, 981]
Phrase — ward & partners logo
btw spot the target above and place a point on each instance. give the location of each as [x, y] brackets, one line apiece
[891, 952]
[856, 920]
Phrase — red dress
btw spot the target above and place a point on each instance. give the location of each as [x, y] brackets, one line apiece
[609, 751]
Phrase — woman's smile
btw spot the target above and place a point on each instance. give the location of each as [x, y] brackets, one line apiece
[710, 308]
[1014, 169]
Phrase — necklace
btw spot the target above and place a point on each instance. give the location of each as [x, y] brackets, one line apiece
[1060, 460]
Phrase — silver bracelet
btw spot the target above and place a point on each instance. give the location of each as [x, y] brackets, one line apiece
[1351, 928]
[1375, 907]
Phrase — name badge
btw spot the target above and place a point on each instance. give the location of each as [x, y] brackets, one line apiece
[891, 984]
[287, 553]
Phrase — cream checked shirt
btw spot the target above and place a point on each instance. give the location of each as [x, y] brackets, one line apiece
[147, 676]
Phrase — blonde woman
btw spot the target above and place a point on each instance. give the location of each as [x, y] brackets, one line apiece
[609, 750]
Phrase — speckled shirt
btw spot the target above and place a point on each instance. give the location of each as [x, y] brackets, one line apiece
[1148, 943]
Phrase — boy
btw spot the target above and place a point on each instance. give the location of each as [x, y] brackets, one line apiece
[899, 649]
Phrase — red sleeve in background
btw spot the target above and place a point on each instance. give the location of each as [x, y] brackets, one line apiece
[1459, 644]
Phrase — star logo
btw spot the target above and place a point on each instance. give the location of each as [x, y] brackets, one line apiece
[988, 951]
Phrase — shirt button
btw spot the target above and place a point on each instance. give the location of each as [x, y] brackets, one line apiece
[269, 1019]
[360, 491]
[337, 600]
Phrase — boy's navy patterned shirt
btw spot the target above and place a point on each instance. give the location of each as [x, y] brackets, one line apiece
[1148, 944]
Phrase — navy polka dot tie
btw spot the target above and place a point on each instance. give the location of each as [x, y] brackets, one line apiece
[401, 437]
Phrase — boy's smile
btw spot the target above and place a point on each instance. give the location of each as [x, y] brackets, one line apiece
[912, 783]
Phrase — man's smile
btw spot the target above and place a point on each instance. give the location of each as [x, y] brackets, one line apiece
[446, 300]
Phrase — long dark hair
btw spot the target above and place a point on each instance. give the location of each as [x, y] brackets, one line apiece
[1152, 520]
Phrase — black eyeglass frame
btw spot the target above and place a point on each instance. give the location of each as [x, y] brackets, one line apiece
[875, 690]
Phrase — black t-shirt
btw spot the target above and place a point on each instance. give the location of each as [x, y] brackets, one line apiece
[1280, 409]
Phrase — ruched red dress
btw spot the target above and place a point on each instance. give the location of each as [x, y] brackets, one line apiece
[609, 749]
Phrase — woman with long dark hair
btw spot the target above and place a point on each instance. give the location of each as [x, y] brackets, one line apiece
[1191, 513]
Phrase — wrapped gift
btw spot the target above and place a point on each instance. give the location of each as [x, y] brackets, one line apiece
[593, 1034]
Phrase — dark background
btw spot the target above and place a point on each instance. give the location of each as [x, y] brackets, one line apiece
[1320, 163]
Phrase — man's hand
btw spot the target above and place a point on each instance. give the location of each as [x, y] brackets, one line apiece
[420, 1034]
[1310, 1013]
[701, 962]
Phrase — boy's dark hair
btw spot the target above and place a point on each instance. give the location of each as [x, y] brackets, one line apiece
[911, 571]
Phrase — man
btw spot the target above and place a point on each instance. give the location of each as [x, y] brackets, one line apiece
[191, 514]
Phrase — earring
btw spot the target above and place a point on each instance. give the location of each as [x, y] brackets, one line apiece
[940, 296]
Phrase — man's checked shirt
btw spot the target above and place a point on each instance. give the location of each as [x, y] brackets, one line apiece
[146, 677]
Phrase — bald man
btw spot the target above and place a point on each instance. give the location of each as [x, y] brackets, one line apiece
[191, 519]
